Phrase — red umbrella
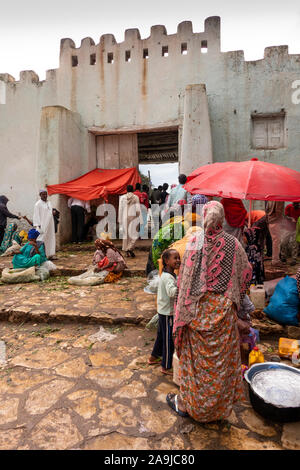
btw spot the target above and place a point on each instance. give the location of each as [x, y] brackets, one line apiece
[246, 180]
[252, 180]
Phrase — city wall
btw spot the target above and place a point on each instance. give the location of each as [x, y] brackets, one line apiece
[141, 84]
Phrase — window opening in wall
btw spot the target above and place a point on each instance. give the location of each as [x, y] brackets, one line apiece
[74, 60]
[204, 47]
[268, 130]
[92, 59]
[127, 56]
[184, 48]
[164, 51]
[110, 57]
[145, 54]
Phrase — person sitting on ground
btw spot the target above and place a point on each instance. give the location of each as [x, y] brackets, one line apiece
[10, 235]
[31, 254]
[255, 254]
[213, 280]
[163, 349]
[108, 258]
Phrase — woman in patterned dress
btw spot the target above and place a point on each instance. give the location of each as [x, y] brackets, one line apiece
[214, 277]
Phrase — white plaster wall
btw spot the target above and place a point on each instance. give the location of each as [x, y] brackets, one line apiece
[62, 144]
[143, 93]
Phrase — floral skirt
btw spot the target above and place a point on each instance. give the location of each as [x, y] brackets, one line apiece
[113, 277]
[210, 363]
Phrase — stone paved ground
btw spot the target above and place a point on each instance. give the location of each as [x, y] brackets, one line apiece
[62, 390]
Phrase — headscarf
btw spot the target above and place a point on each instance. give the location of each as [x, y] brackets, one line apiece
[235, 212]
[104, 245]
[24, 235]
[199, 199]
[33, 234]
[213, 262]
[165, 236]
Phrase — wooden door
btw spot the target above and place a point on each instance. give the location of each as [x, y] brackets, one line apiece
[117, 151]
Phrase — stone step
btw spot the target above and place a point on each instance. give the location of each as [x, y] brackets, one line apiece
[23, 314]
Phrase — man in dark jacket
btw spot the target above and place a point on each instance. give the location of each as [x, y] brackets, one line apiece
[4, 214]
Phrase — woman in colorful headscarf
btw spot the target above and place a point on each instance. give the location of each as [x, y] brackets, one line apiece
[176, 227]
[10, 235]
[255, 254]
[108, 258]
[213, 280]
[31, 254]
[235, 217]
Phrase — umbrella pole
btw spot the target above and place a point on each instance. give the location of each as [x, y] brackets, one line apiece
[249, 215]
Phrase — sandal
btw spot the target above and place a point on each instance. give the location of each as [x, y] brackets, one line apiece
[156, 361]
[172, 401]
[167, 371]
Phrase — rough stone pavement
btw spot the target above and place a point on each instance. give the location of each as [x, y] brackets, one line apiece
[61, 389]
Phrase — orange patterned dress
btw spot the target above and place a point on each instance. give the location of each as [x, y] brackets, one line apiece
[210, 363]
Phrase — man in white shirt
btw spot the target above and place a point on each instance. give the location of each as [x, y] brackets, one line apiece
[78, 208]
[43, 222]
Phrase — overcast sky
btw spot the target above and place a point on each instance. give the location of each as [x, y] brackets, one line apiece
[30, 30]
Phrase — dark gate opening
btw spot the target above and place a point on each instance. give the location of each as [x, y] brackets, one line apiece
[158, 147]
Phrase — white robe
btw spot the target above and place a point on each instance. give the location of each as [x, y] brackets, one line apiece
[130, 216]
[43, 222]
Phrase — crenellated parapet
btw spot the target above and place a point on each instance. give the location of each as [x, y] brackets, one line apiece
[133, 48]
[185, 46]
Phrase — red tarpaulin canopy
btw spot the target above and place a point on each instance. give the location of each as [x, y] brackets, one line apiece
[97, 183]
[246, 180]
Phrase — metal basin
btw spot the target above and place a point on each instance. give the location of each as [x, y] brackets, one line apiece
[267, 410]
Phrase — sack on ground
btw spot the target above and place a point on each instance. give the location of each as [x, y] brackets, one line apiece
[13, 249]
[42, 272]
[284, 303]
[89, 278]
[49, 265]
[13, 276]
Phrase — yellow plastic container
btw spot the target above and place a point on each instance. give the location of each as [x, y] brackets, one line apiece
[287, 347]
[256, 356]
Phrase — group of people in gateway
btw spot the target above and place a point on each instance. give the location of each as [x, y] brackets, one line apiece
[208, 253]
